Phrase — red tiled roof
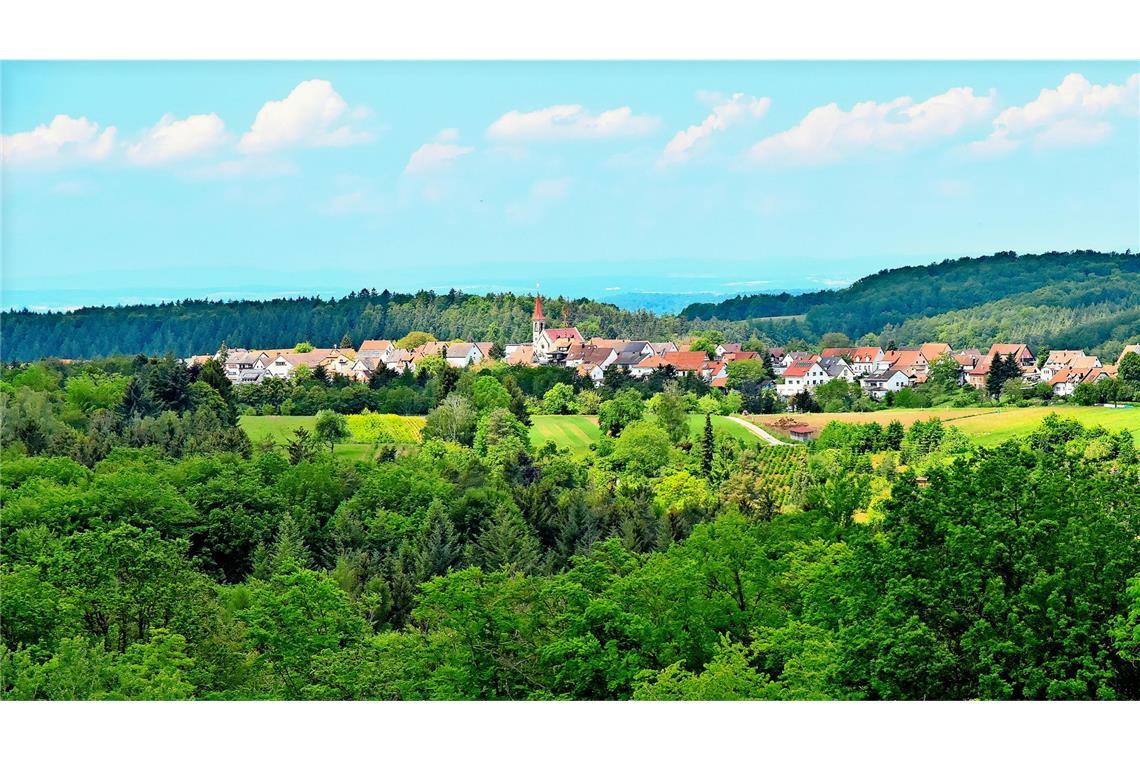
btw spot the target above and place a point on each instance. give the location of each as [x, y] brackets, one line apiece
[537, 315]
[375, 345]
[558, 333]
[719, 382]
[685, 361]
[830, 352]
[798, 369]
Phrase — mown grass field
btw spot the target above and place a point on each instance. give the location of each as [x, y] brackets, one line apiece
[577, 431]
[570, 431]
[987, 426]
[280, 429]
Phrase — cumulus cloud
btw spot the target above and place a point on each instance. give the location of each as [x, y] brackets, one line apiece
[1075, 112]
[177, 139]
[570, 122]
[828, 133]
[64, 139]
[313, 114]
[725, 113]
[435, 156]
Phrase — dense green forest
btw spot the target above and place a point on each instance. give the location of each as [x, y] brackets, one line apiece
[149, 550]
[1085, 299]
[196, 327]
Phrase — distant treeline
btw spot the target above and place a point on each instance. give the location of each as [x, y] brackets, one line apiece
[199, 326]
[892, 297]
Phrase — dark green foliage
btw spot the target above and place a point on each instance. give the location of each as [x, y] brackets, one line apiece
[1081, 299]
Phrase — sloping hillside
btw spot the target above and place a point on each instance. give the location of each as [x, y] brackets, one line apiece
[896, 296]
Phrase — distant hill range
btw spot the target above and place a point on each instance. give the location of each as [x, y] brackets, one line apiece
[1084, 299]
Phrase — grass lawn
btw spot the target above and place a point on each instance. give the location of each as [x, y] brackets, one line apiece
[571, 431]
[987, 426]
[280, 428]
[576, 431]
[722, 425]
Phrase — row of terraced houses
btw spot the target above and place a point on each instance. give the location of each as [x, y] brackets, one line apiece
[877, 370]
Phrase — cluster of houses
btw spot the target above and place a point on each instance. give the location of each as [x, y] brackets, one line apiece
[879, 371]
[876, 370]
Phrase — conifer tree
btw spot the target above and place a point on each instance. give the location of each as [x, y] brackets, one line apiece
[507, 542]
[708, 444]
[438, 548]
[289, 551]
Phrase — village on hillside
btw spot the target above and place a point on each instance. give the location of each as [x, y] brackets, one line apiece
[878, 371]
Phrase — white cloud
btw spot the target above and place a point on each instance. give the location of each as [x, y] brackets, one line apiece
[828, 133]
[313, 114]
[177, 139]
[1073, 113]
[434, 156]
[570, 122]
[541, 196]
[725, 113]
[451, 134]
[64, 139]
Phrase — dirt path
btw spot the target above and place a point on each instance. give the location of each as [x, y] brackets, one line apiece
[759, 432]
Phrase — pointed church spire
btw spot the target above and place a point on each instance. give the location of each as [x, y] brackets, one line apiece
[537, 316]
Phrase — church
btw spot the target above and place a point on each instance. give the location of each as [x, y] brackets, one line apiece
[550, 345]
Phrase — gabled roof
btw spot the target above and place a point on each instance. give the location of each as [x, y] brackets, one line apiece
[522, 355]
[738, 356]
[615, 343]
[558, 333]
[685, 361]
[1007, 348]
[729, 347]
[459, 350]
[376, 345]
[864, 354]
[799, 369]
[1061, 358]
[1131, 348]
[719, 382]
[829, 353]
[485, 347]
[931, 351]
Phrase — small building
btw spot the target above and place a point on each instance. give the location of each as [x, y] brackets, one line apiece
[802, 433]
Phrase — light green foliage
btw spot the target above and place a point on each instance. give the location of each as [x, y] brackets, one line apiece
[95, 390]
[370, 427]
[292, 618]
[587, 401]
[488, 393]
[615, 414]
[671, 409]
[642, 448]
[559, 400]
[303, 347]
[414, 339]
[330, 427]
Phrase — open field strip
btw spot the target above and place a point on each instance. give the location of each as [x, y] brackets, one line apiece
[986, 425]
[279, 429]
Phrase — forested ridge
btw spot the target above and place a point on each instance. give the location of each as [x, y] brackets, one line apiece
[1081, 300]
[900, 299]
[199, 326]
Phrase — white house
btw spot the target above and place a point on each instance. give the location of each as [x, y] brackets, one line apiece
[892, 380]
[801, 375]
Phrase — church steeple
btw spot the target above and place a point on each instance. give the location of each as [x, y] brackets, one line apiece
[537, 321]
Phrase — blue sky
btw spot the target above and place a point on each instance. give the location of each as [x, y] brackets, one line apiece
[145, 181]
